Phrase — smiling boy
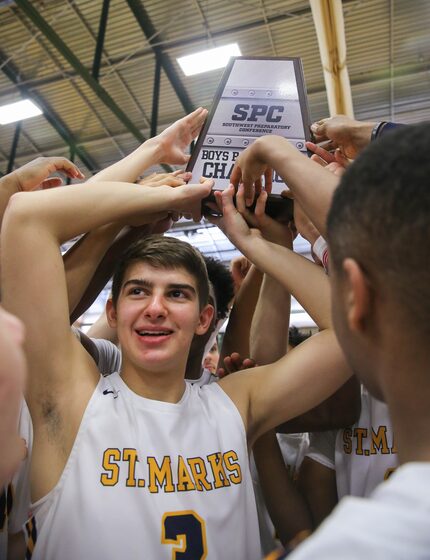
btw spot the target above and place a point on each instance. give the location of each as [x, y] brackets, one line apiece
[141, 464]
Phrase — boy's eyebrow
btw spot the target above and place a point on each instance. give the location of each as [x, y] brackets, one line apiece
[137, 282]
[147, 284]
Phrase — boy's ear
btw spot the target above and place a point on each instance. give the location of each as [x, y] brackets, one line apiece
[358, 295]
[111, 313]
[205, 319]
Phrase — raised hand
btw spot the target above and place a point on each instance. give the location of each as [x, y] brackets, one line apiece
[249, 170]
[234, 363]
[231, 222]
[35, 174]
[175, 139]
[335, 162]
[187, 199]
[342, 132]
[175, 179]
[239, 268]
[275, 231]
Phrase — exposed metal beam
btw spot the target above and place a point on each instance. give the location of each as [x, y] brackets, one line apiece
[149, 30]
[31, 12]
[100, 39]
[92, 111]
[155, 96]
[165, 45]
[12, 72]
[14, 147]
[112, 69]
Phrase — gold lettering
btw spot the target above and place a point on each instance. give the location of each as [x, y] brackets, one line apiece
[379, 441]
[218, 471]
[359, 434]
[230, 461]
[161, 475]
[185, 481]
[112, 468]
[130, 455]
[198, 470]
[347, 441]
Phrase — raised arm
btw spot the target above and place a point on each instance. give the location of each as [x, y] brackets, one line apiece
[311, 185]
[37, 223]
[272, 394]
[62, 375]
[268, 343]
[35, 175]
[90, 262]
[281, 263]
[168, 147]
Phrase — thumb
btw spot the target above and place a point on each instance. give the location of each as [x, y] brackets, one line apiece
[51, 183]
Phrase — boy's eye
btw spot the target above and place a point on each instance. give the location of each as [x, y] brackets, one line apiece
[177, 294]
[136, 291]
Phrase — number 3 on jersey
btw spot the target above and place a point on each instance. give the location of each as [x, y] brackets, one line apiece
[187, 531]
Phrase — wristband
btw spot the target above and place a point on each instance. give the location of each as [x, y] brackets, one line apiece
[376, 130]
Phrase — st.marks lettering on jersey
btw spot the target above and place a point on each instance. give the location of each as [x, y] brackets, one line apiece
[365, 441]
[167, 474]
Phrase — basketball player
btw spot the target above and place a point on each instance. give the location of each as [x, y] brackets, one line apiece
[378, 233]
[124, 465]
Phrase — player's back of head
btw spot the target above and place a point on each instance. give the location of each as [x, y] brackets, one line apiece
[222, 282]
[380, 217]
[163, 252]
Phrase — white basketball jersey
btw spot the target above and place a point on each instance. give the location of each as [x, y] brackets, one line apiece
[365, 454]
[15, 497]
[151, 480]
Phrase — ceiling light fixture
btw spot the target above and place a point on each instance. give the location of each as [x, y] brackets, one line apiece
[211, 59]
[18, 111]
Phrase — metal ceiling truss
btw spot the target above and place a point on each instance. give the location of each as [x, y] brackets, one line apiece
[149, 30]
[66, 52]
[77, 88]
[108, 65]
[32, 13]
[12, 72]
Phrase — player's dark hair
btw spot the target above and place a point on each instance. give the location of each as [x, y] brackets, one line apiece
[380, 216]
[163, 253]
[222, 282]
[295, 337]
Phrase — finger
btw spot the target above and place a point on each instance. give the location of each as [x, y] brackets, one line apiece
[268, 178]
[248, 363]
[218, 200]
[227, 201]
[236, 176]
[67, 167]
[320, 151]
[228, 365]
[236, 360]
[199, 117]
[341, 159]
[287, 193]
[258, 186]
[260, 207]
[240, 200]
[318, 160]
[184, 175]
[173, 182]
[51, 183]
[248, 185]
[221, 372]
[318, 129]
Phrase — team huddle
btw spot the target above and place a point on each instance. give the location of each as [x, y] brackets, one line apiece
[133, 448]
